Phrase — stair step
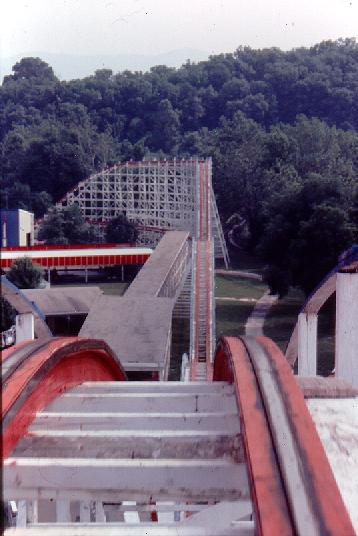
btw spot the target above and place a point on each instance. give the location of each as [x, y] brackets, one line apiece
[143, 402]
[127, 479]
[130, 444]
[219, 421]
[244, 528]
[153, 387]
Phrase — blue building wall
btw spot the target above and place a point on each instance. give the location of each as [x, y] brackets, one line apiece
[10, 226]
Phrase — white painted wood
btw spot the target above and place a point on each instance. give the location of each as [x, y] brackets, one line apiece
[100, 515]
[25, 327]
[21, 516]
[219, 421]
[307, 344]
[132, 516]
[159, 506]
[347, 327]
[244, 528]
[63, 512]
[147, 402]
[85, 513]
[221, 515]
[153, 387]
[132, 434]
[130, 444]
[129, 479]
[32, 511]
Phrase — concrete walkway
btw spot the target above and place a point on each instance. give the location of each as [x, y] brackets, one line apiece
[255, 322]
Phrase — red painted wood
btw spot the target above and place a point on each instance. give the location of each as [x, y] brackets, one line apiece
[7, 352]
[324, 490]
[272, 512]
[59, 366]
[232, 364]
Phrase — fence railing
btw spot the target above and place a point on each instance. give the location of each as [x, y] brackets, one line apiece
[8, 337]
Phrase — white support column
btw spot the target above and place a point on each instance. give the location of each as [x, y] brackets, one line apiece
[32, 511]
[347, 327]
[85, 515]
[63, 512]
[25, 327]
[307, 344]
[21, 513]
[100, 515]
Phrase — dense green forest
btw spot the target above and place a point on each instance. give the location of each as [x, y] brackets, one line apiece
[282, 128]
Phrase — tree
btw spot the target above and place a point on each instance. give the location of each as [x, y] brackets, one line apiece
[51, 228]
[8, 314]
[65, 226]
[306, 228]
[31, 68]
[121, 230]
[165, 128]
[25, 274]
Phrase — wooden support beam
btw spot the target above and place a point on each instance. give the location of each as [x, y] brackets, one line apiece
[307, 344]
[347, 327]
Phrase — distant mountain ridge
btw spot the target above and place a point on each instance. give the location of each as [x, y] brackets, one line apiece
[70, 66]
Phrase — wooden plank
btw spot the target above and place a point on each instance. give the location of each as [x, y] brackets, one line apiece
[271, 509]
[85, 511]
[307, 344]
[32, 511]
[223, 421]
[21, 518]
[131, 444]
[153, 387]
[63, 513]
[137, 402]
[99, 512]
[130, 479]
[244, 528]
[323, 497]
[347, 327]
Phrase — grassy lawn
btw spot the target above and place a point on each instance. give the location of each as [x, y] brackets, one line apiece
[231, 316]
[282, 318]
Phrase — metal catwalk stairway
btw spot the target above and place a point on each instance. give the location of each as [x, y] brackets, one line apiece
[108, 452]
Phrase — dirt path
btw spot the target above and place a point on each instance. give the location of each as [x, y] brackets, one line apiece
[239, 273]
[255, 322]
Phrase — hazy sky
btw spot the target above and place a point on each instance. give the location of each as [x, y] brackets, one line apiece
[156, 26]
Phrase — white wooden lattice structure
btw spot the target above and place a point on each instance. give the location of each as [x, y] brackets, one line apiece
[157, 195]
